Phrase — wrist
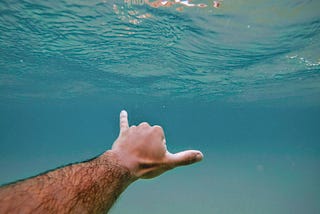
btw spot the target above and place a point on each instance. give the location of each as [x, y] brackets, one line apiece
[116, 161]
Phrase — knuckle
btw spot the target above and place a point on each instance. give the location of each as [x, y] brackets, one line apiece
[158, 129]
[144, 124]
[133, 127]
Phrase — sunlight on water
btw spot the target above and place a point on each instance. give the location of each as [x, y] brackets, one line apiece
[226, 50]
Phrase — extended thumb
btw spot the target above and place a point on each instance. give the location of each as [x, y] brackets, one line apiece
[185, 157]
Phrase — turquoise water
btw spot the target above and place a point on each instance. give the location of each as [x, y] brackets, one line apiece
[240, 82]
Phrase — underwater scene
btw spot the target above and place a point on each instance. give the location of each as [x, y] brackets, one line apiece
[238, 80]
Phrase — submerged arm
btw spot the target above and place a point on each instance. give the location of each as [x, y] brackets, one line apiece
[93, 186]
[88, 187]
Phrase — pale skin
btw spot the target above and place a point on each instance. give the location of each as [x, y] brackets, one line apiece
[93, 186]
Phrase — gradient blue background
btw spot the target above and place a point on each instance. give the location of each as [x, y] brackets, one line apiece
[258, 159]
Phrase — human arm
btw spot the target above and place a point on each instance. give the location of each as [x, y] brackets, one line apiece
[93, 186]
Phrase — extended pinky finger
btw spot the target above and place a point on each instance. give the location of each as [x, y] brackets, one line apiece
[124, 125]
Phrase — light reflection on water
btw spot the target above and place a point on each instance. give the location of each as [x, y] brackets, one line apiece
[227, 50]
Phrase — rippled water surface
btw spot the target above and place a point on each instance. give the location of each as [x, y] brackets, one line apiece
[242, 50]
[237, 79]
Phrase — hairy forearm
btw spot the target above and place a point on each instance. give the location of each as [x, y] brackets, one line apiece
[88, 187]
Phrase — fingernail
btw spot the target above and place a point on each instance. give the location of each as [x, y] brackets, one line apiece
[199, 156]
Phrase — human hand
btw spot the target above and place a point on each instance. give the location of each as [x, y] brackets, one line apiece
[142, 149]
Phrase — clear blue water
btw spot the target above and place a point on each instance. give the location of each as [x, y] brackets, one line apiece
[240, 82]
